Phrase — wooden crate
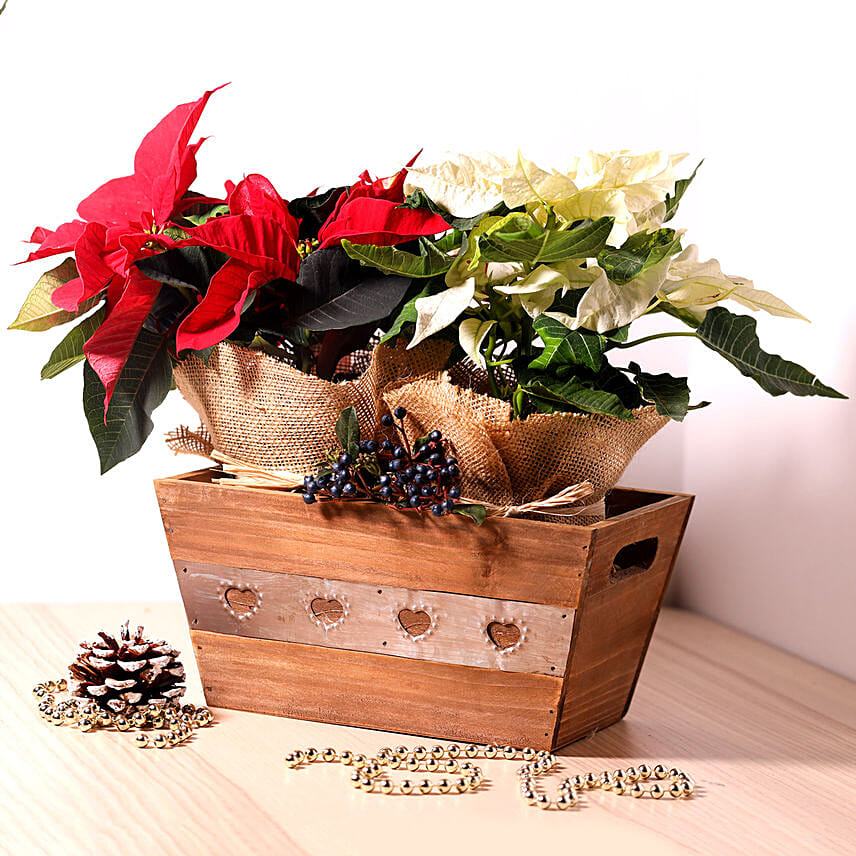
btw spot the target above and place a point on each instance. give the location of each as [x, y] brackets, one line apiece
[517, 632]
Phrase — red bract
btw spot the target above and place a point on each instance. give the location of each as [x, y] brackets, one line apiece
[260, 236]
[370, 212]
[123, 221]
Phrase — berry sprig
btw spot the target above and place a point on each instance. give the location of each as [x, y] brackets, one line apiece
[416, 476]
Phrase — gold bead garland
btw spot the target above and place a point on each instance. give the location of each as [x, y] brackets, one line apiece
[370, 774]
[173, 722]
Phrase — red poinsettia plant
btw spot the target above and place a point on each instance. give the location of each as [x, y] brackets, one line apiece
[159, 271]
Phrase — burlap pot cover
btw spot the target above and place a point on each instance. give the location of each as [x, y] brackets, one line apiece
[262, 411]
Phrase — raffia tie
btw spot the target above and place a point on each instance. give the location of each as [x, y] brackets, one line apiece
[241, 474]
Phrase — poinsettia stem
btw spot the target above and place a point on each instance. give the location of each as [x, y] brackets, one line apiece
[652, 337]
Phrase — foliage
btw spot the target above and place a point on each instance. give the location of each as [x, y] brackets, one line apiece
[536, 274]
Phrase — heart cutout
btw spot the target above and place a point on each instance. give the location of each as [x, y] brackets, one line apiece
[327, 611]
[415, 622]
[243, 602]
[503, 635]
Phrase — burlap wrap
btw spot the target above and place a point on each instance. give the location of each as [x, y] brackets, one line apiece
[262, 411]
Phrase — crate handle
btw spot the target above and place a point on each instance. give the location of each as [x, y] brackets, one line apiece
[632, 559]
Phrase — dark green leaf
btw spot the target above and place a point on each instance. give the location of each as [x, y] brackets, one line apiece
[735, 338]
[370, 300]
[189, 268]
[563, 346]
[554, 395]
[638, 253]
[143, 385]
[69, 352]
[550, 245]
[680, 188]
[475, 512]
[348, 431]
[431, 261]
[670, 395]
[313, 211]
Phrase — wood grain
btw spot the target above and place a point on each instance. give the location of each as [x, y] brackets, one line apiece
[365, 617]
[375, 691]
[769, 739]
[365, 542]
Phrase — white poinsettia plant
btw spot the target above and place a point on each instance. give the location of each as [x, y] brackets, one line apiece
[544, 271]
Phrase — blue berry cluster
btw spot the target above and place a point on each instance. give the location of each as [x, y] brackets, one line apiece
[418, 476]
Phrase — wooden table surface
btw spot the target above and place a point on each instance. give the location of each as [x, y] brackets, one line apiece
[769, 739]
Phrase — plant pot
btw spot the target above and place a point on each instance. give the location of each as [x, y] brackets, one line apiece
[517, 632]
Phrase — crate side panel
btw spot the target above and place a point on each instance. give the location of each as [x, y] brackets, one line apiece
[376, 691]
[506, 559]
[615, 620]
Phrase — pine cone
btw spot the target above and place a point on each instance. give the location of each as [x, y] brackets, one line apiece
[128, 672]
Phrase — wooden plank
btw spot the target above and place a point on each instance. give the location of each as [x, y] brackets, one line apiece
[616, 618]
[447, 628]
[376, 691]
[270, 530]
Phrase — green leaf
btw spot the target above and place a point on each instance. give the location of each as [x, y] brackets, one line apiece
[204, 217]
[670, 395]
[474, 511]
[735, 338]
[420, 199]
[555, 396]
[371, 299]
[563, 346]
[143, 385]
[187, 268]
[409, 313]
[638, 253]
[550, 245]
[431, 261]
[69, 352]
[38, 312]
[680, 189]
[348, 431]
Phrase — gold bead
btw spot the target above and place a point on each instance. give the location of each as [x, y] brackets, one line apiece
[636, 790]
[563, 802]
[290, 760]
[542, 801]
[578, 782]
[328, 755]
[424, 787]
[139, 719]
[675, 773]
[589, 781]
[385, 753]
[299, 756]
[355, 778]
[160, 741]
[394, 762]
[453, 751]
[644, 771]
[157, 722]
[450, 765]
[660, 771]
[71, 715]
[632, 774]
[420, 753]
[386, 786]
[444, 786]
[604, 781]
[472, 751]
[529, 796]
[675, 790]
[142, 740]
[346, 757]
[438, 751]
[105, 720]
[490, 751]
[473, 782]
[122, 724]
[686, 788]
[311, 755]
[401, 751]
[508, 752]
[656, 791]
[85, 724]
[372, 769]
[619, 788]
[432, 765]
[406, 786]
[412, 764]
[618, 776]
[61, 685]
[528, 753]
[461, 785]
[358, 761]
[366, 784]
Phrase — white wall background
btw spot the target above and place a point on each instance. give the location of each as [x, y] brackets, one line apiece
[320, 92]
